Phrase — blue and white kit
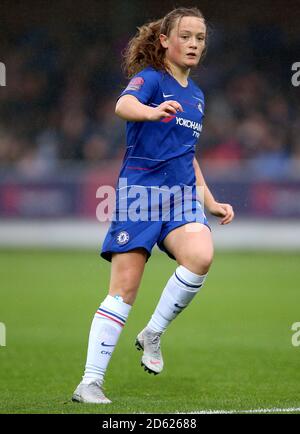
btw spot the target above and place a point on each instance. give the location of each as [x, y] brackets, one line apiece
[159, 157]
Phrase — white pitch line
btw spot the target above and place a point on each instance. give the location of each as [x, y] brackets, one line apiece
[258, 410]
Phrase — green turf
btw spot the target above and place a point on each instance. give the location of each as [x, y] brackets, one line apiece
[230, 350]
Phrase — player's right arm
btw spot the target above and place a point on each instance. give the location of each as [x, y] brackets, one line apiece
[131, 109]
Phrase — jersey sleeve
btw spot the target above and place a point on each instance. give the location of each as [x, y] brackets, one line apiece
[143, 86]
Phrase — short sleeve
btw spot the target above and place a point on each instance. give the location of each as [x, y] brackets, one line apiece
[143, 85]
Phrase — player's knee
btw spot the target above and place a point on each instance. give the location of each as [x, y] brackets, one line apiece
[127, 290]
[205, 262]
[198, 262]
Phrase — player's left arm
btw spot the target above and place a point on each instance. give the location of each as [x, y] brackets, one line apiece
[223, 210]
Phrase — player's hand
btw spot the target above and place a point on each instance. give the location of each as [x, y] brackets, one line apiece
[165, 110]
[223, 210]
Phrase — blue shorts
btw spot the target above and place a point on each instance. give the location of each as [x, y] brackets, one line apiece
[124, 236]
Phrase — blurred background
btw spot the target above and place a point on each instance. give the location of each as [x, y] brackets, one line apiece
[60, 139]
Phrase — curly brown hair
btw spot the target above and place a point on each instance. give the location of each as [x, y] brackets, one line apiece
[145, 49]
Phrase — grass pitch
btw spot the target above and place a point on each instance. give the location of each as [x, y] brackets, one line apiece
[231, 349]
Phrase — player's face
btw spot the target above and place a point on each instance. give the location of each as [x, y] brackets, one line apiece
[186, 42]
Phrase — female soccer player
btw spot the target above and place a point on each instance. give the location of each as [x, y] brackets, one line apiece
[164, 109]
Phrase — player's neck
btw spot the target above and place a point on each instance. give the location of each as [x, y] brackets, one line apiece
[180, 74]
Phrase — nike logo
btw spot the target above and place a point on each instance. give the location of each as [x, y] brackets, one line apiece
[106, 345]
[154, 363]
[167, 96]
[179, 307]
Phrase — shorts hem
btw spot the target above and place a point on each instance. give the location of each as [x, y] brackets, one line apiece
[107, 254]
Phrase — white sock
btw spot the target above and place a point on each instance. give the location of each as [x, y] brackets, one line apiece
[177, 294]
[106, 328]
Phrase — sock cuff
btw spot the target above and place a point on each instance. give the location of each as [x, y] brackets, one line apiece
[116, 305]
[189, 278]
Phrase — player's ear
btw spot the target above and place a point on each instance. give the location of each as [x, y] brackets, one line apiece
[164, 40]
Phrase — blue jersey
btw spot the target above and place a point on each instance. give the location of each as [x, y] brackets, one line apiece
[161, 153]
[158, 154]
